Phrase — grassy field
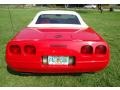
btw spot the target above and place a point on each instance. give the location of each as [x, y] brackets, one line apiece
[106, 24]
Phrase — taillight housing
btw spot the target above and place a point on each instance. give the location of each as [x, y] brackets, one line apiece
[87, 49]
[101, 49]
[30, 49]
[15, 49]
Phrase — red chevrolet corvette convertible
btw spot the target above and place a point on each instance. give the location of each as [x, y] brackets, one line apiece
[57, 42]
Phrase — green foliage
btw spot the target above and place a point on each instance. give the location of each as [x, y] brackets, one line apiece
[106, 24]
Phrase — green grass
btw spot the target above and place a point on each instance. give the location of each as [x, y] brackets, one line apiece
[106, 24]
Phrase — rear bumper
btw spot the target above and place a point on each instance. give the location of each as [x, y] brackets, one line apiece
[84, 66]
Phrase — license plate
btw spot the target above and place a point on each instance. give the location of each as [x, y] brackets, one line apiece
[58, 60]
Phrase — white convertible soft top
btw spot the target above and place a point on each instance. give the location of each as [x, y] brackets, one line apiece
[82, 23]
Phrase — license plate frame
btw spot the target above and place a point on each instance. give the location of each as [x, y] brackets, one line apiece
[58, 60]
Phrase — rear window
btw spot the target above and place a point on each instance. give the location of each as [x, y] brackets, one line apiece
[57, 19]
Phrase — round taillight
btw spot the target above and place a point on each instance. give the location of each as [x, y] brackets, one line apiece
[101, 49]
[15, 49]
[29, 49]
[87, 49]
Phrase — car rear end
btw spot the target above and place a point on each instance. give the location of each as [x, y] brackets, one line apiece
[57, 56]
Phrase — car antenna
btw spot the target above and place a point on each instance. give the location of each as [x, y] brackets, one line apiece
[10, 16]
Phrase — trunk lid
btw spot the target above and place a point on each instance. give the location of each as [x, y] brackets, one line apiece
[58, 34]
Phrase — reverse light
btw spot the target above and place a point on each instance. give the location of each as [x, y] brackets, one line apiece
[29, 49]
[71, 61]
[101, 49]
[87, 49]
[45, 60]
[15, 49]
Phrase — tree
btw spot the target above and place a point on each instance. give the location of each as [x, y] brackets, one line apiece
[111, 8]
[100, 8]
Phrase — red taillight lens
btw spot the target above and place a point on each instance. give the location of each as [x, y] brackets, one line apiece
[87, 49]
[15, 49]
[101, 49]
[29, 49]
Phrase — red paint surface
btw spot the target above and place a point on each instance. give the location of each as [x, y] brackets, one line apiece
[57, 42]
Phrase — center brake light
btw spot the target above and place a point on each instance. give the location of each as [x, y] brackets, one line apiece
[30, 49]
[15, 49]
[87, 49]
